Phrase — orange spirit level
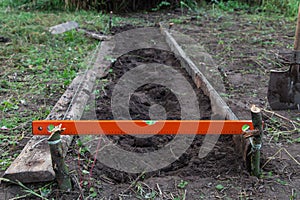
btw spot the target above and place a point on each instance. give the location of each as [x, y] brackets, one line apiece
[117, 127]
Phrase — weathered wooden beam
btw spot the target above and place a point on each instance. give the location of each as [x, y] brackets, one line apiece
[34, 162]
[68, 26]
[218, 105]
[64, 27]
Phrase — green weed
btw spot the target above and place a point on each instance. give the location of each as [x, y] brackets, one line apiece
[161, 5]
[293, 195]
[93, 192]
[219, 187]
[282, 182]
[232, 5]
[177, 21]
[286, 7]
[182, 184]
[189, 4]
[40, 193]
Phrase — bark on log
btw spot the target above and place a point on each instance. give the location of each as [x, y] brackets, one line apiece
[256, 140]
[58, 162]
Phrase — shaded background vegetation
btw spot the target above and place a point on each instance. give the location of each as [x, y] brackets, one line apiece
[286, 7]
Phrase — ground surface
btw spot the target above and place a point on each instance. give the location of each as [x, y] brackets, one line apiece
[245, 47]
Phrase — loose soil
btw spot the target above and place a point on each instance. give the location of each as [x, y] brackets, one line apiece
[244, 69]
[245, 48]
[140, 104]
[188, 165]
[223, 166]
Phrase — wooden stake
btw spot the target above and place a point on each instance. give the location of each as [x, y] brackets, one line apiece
[256, 140]
[58, 162]
[110, 21]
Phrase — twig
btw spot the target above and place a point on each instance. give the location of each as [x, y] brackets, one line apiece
[21, 197]
[95, 35]
[159, 190]
[26, 189]
[146, 185]
[279, 151]
[133, 183]
[184, 195]
[22, 125]
[107, 180]
[280, 133]
[79, 186]
[172, 196]
[259, 63]
[282, 117]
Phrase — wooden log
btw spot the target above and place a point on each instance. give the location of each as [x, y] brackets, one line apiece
[256, 140]
[58, 162]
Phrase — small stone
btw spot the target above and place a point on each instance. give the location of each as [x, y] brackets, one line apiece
[23, 102]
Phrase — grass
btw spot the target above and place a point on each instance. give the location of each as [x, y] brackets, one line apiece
[287, 8]
[36, 67]
[35, 70]
[282, 7]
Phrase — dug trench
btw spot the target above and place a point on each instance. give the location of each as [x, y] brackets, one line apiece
[222, 159]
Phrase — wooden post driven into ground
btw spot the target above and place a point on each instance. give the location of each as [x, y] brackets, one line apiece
[256, 140]
[58, 162]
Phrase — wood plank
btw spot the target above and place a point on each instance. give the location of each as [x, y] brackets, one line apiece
[218, 105]
[64, 27]
[22, 168]
[34, 162]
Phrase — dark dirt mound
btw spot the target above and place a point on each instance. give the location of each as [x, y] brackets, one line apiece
[188, 164]
[140, 104]
[149, 94]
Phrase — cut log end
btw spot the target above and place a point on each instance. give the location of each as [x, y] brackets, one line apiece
[255, 109]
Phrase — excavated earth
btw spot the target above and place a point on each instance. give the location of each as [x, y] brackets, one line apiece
[245, 78]
[188, 165]
[239, 52]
